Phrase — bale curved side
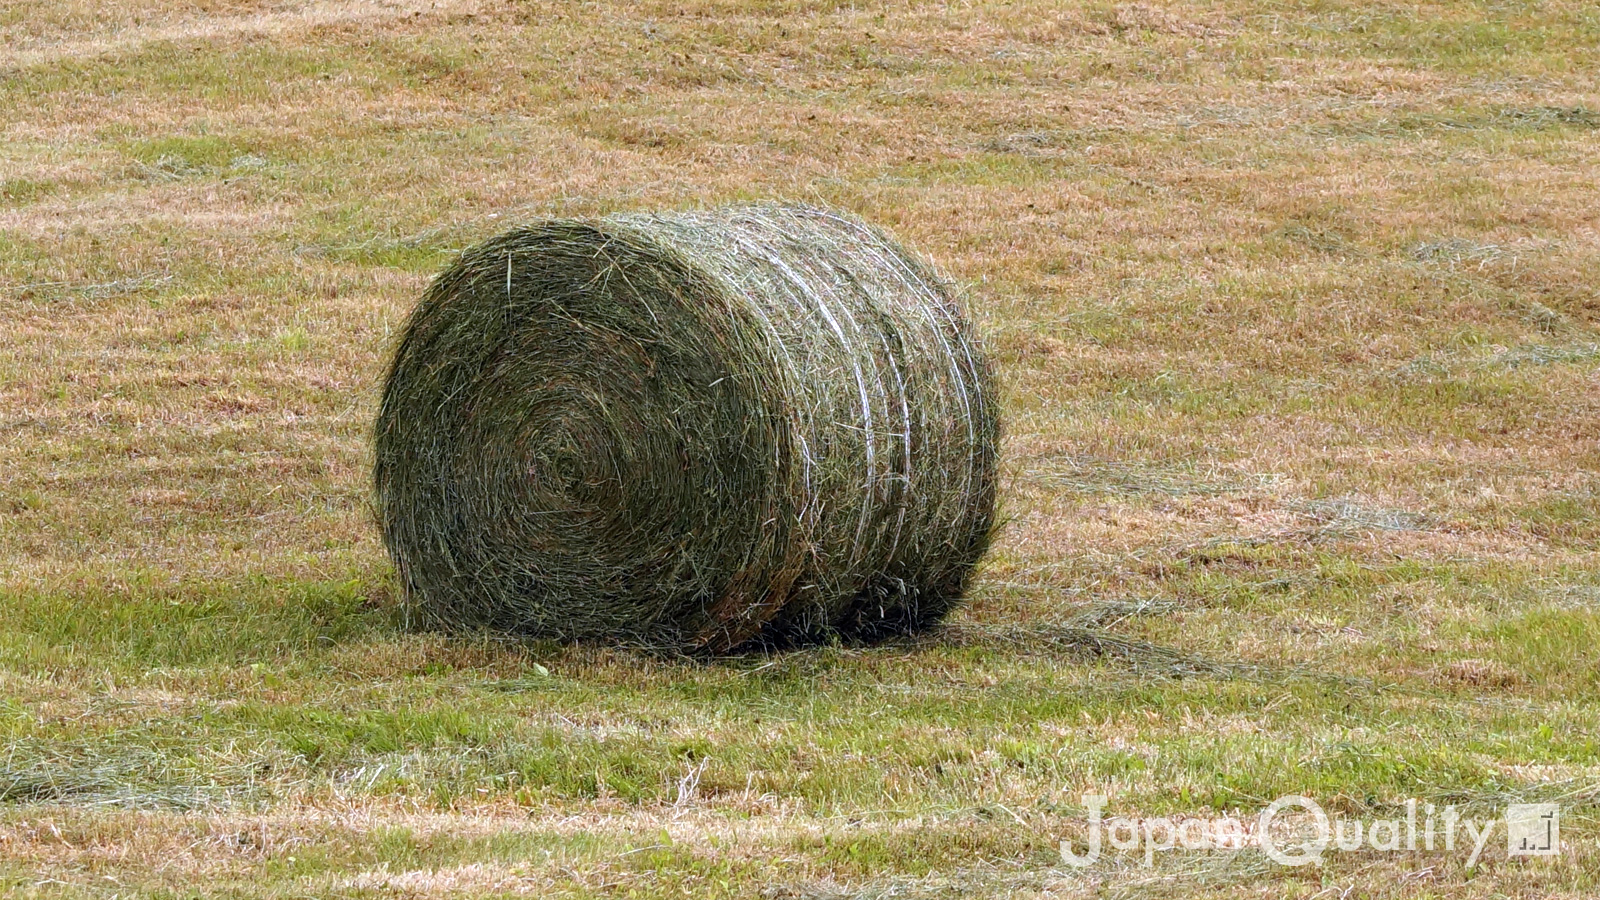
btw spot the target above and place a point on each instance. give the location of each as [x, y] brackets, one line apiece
[687, 430]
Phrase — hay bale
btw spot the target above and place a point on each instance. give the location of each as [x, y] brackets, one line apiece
[687, 431]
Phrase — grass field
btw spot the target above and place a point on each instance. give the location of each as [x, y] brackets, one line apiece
[1296, 309]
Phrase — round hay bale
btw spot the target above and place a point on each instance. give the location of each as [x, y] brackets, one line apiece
[687, 431]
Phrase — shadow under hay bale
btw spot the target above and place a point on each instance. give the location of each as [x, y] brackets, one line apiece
[687, 431]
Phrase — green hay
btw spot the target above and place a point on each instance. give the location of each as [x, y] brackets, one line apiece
[688, 431]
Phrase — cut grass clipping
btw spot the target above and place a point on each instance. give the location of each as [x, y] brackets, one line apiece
[688, 431]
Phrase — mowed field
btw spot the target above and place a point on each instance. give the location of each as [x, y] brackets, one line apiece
[1296, 309]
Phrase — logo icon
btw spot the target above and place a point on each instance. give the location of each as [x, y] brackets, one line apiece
[1533, 829]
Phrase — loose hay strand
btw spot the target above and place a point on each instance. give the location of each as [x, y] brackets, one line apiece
[688, 430]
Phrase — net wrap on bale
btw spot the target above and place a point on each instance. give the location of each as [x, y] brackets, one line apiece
[688, 430]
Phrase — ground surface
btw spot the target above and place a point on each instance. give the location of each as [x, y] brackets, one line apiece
[1296, 308]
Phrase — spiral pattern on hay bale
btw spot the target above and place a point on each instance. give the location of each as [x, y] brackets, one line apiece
[691, 431]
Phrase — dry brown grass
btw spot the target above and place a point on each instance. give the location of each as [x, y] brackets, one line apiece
[1297, 313]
